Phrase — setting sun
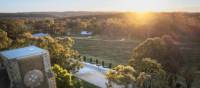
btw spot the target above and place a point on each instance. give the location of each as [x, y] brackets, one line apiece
[148, 6]
[140, 18]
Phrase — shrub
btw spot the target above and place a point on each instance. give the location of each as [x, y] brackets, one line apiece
[64, 79]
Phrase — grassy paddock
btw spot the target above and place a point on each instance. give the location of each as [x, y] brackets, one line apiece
[116, 52]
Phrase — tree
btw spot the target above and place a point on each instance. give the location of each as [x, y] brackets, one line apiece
[59, 27]
[151, 74]
[189, 75]
[143, 79]
[122, 75]
[5, 41]
[64, 79]
[164, 50]
[13, 27]
[148, 74]
[43, 26]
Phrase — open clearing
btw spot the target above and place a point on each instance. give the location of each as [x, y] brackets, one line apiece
[111, 51]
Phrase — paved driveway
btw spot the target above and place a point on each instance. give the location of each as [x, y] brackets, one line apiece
[93, 74]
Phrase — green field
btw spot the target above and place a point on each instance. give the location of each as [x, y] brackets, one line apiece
[111, 51]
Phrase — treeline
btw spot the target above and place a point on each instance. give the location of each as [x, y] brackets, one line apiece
[181, 26]
[23, 15]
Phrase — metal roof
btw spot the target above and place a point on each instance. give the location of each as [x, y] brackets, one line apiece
[40, 34]
[86, 33]
[21, 52]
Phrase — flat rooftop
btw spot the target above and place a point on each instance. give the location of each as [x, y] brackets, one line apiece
[21, 52]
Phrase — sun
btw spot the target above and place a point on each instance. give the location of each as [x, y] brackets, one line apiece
[142, 11]
[149, 5]
[140, 18]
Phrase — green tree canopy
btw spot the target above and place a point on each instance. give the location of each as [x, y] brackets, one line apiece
[65, 79]
[122, 75]
[148, 74]
[163, 50]
[5, 41]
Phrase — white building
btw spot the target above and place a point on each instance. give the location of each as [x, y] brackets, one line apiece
[86, 33]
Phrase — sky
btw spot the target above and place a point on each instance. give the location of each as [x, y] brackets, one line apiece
[99, 5]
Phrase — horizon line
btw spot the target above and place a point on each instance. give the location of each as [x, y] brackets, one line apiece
[180, 11]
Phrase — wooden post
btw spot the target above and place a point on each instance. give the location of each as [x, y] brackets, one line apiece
[84, 58]
[110, 65]
[97, 62]
[103, 63]
[91, 60]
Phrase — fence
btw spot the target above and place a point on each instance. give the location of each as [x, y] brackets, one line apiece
[96, 62]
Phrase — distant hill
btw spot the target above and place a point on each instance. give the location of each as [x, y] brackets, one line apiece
[23, 15]
[52, 14]
[74, 14]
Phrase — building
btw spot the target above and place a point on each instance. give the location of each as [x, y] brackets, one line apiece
[40, 34]
[86, 33]
[28, 67]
